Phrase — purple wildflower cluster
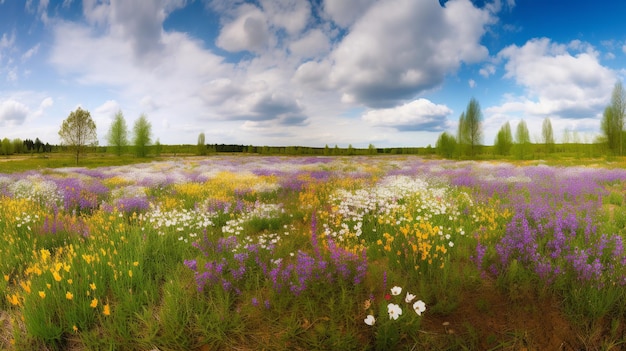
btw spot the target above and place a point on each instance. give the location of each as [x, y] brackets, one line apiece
[223, 264]
[554, 231]
[81, 196]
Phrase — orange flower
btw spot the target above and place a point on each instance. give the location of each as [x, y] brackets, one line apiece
[42, 294]
[94, 303]
[106, 310]
[69, 295]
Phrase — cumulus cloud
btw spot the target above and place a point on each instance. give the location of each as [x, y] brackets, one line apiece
[565, 80]
[345, 12]
[400, 48]
[417, 115]
[289, 15]
[314, 43]
[13, 112]
[249, 31]
[139, 22]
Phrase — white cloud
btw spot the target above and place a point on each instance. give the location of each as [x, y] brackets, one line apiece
[487, 70]
[6, 42]
[313, 44]
[32, 51]
[400, 48]
[417, 115]
[290, 15]
[46, 103]
[249, 31]
[624, 48]
[472, 83]
[345, 12]
[565, 80]
[13, 112]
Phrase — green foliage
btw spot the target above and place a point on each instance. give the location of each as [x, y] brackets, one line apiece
[371, 149]
[7, 147]
[522, 139]
[78, 131]
[504, 140]
[158, 148]
[202, 150]
[142, 132]
[18, 146]
[610, 127]
[446, 145]
[118, 133]
[547, 135]
[470, 128]
[612, 124]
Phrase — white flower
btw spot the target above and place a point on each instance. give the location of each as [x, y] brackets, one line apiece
[451, 244]
[370, 320]
[394, 311]
[409, 297]
[419, 306]
[396, 290]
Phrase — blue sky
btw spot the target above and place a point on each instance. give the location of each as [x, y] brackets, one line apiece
[309, 72]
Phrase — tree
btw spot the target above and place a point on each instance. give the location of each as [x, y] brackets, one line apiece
[78, 131]
[470, 129]
[7, 147]
[38, 145]
[547, 135]
[158, 148]
[18, 146]
[618, 104]
[461, 136]
[371, 149]
[504, 140]
[522, 139]
[612, 124]
[446, 145]
[118, 133]
[142, 131]
[201, 145]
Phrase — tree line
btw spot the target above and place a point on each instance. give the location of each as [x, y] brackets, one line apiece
[19, 146]
[468, 140]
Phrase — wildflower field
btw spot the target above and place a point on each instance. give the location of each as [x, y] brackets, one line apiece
[313, 253]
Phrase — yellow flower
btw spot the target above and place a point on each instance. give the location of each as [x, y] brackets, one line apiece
[25, 286]
[130, 273]
[56, 276]
[6, 277]
[93, 303]
[75, 328]
[13, 299]
[92, 286]
[106, 310]
[69, 295]
[48, 286]
[135, 263]
[42, 294]
[70, 281]
[45, 254]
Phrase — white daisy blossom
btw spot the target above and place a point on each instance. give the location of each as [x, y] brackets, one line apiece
[419, 306]
[370, 320]
[394, 311]
[396, 290]
[409, 297]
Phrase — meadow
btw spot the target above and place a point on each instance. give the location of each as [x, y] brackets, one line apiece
[313, 253]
